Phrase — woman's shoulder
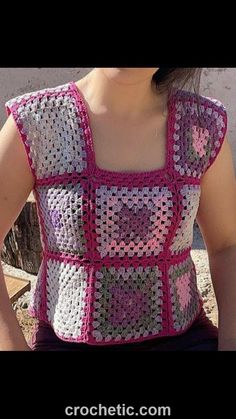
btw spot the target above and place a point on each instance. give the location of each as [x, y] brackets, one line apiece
[201, 122]
[37, 97]
[202, 103]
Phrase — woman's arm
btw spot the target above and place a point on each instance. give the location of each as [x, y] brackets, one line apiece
[216, 218]
[223, 267]
[16, 183]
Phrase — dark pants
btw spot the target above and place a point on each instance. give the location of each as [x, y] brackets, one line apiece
[201, 336]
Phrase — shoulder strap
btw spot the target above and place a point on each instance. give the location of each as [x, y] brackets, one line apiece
[49, 128]
[200, 128]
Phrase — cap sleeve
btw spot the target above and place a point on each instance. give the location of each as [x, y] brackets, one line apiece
[216, 115]
[20, 110]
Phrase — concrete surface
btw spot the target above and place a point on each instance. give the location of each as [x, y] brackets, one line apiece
[221, 84]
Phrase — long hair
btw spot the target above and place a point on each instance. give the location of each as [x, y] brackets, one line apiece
[167, 79]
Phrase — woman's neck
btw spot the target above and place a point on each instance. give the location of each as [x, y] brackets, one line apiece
[120, 97]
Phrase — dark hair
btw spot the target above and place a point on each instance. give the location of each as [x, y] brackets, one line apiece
[167, 79]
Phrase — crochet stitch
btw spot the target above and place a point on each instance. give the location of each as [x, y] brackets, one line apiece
[116, 263]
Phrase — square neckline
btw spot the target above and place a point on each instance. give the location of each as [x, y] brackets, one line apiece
[86, 126]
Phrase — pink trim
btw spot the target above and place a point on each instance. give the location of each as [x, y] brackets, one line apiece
[73, 177]
[173, 259]
[162, 180]
[81, 114]
[148, 261]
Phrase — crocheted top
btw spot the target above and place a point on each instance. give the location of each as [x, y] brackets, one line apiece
[116, 263]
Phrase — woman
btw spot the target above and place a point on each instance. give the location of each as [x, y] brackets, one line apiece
[121, 164]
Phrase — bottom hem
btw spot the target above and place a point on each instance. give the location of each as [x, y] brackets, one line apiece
[91, 342]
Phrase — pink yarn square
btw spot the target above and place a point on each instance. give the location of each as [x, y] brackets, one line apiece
[200, 138]
[183, 290]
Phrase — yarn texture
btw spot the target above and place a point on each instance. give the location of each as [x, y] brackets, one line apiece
[116, 263]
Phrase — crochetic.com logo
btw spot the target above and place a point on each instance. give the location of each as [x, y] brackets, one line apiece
[118, 410]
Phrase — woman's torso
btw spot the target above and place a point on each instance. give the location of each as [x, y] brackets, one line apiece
[116, 262]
